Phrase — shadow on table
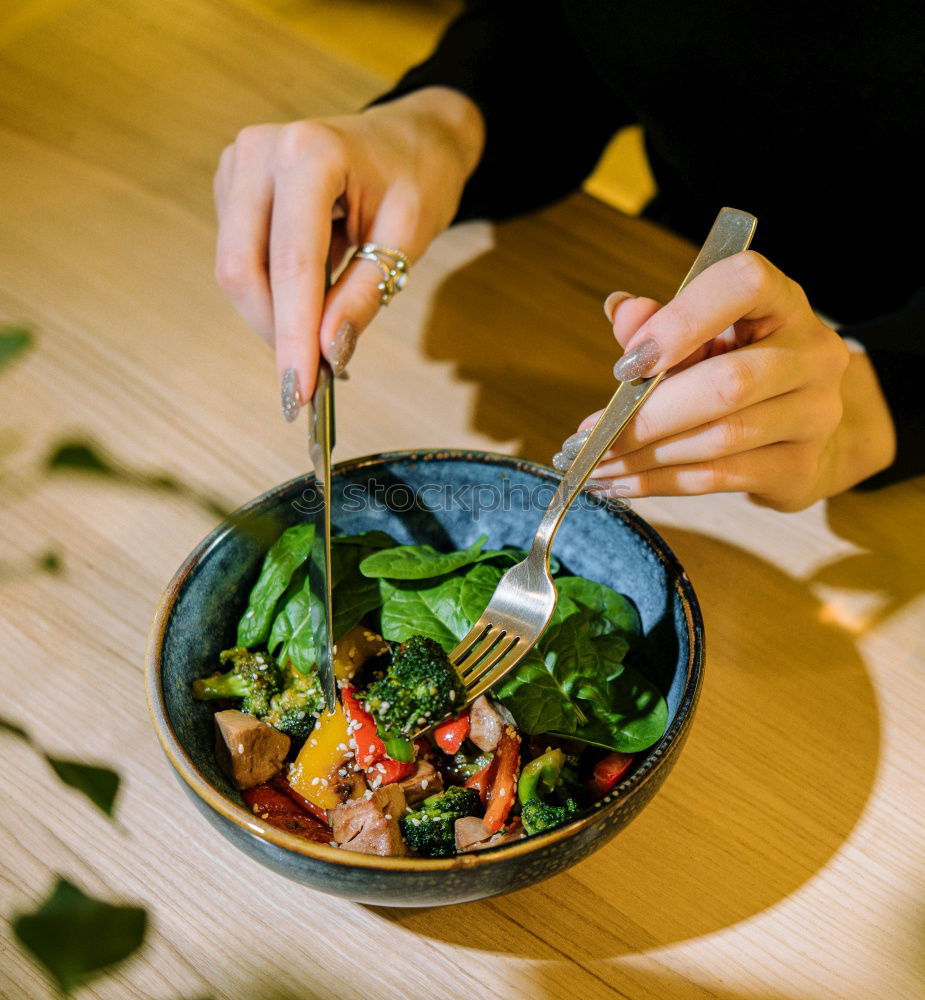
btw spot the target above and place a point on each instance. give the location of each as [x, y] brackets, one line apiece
[887, 526]
[787, 700]
[537, 346]
[783, 750]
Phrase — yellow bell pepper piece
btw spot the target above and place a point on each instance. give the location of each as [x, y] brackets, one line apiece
[314, 773]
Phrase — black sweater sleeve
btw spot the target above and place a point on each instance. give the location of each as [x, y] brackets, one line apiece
[895, 345]
[520, 63]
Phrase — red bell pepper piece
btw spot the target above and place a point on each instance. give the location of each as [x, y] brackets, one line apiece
[503, 785]
[449, 735]
[369, 748]
[278, 809]
[481, 780]
[607, 772]
[387, 771]
[281, 783]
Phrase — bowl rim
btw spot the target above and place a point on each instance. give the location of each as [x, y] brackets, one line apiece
[183, 764]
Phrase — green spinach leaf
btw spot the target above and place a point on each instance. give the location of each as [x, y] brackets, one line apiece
[294, 630]
[419, 562]
[608, 612]
[432, 609]
[535, 699]
[628, 713]
[354, 594]
[286, 555]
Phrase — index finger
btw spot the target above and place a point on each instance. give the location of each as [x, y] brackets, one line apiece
[300, 240]
[745, 286]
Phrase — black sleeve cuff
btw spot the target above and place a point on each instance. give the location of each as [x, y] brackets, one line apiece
[896, 347]
[548, 116]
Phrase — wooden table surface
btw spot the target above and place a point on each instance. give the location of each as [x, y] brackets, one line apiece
[783, 858]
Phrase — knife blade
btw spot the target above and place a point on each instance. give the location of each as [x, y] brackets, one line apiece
[320, 445]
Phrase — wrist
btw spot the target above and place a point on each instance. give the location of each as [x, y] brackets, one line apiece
[866, 437]
[455, 118]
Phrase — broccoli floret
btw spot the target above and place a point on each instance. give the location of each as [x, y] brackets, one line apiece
[430, 830]
[539, 816]
[544, 775]
[420, 686]
[254, 677]
[293, 710]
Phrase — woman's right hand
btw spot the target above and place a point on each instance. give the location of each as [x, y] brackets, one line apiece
[291, 197]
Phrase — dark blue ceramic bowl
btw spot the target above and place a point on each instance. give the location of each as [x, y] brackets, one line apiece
[445, 499]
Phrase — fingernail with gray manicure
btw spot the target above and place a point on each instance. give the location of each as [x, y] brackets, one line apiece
[290, 394]
[342, 347]
[637, 362]
[570, 448]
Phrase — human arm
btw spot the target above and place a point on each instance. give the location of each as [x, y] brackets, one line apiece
[393, 173]
[507, 91]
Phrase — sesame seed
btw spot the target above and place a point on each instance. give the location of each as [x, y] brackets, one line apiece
[424, 783]
[453, 695]
[368, 794]
[240, 748]
[387, 815]
[265, 816]
[315, 781]
[313, 743]
[415, 821]
[324, 782]
[332, 843]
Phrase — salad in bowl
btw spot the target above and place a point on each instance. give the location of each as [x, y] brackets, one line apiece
[549, 742]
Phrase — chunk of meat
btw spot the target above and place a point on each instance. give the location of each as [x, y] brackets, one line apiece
[370, 825]
[485, 724]
[248, 750]
[470, 830]
[425, 781]
[513, 831]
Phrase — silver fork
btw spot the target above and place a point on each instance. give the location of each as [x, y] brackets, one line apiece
[525, 598]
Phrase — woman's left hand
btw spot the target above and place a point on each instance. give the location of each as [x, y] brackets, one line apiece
[761, 396]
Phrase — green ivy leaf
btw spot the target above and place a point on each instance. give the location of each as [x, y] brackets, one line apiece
[75, 937]
[99, 784]
[13, 342]
[13, 729]
[85, 457]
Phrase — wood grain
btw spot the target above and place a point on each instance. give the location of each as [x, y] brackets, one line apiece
[782, 861]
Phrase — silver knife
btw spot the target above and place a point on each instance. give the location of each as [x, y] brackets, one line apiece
[320, 445]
